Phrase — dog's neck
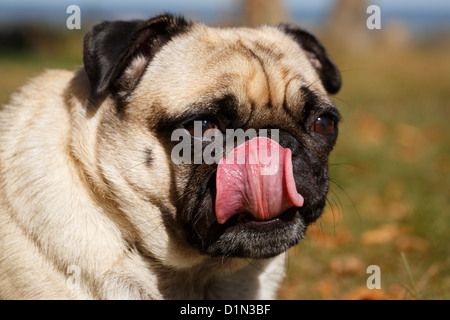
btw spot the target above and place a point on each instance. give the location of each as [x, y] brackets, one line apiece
[222, 278]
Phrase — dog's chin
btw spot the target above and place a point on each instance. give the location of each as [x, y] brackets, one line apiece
[244, 237]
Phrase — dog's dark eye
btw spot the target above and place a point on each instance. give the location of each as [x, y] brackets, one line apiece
[202, 128]
[323, 125]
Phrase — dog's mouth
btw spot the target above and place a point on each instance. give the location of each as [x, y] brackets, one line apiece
[247, 220]
[243, 235]
[247, 213]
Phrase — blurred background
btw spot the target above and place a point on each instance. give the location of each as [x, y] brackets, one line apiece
[389, 201]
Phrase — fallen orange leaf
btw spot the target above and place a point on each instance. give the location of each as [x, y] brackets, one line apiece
[385, 234]
[346, 265]
[326, 288]
[411, 243]
[366, 294]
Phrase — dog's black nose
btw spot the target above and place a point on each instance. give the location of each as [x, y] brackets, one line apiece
[286, 140]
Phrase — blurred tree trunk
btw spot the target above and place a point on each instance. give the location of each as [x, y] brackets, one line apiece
[347, 24]
[259, 12]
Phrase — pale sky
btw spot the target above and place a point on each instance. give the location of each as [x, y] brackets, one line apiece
[48, 10]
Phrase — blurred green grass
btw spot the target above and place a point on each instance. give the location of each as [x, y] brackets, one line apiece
[390, 171]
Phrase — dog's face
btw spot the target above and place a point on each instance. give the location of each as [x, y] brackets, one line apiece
[164, 75]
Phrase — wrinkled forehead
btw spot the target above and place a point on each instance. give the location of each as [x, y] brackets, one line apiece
[259, 66]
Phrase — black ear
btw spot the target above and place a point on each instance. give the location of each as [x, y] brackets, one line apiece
[111, 47]
[322, 62]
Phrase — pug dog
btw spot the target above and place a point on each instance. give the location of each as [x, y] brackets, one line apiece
[95, 203]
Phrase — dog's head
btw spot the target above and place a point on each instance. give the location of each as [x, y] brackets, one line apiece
[178, 91]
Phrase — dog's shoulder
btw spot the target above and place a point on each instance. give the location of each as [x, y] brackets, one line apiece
[44, 203]
[34, 102]
[34, 126]
[47, 85]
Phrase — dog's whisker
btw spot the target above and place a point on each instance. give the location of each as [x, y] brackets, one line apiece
[335, 202]
[133, 167]
[336, 183]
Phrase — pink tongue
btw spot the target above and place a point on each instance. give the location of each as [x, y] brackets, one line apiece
[256, 178]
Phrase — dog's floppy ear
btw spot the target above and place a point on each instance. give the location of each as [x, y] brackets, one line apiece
[116, 53]
[318, 56]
